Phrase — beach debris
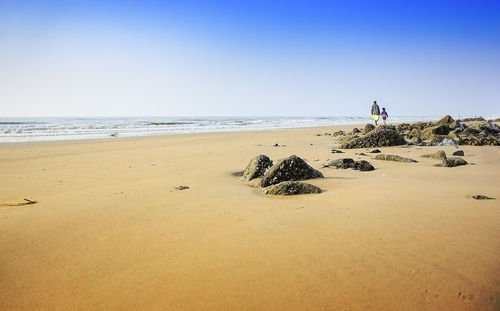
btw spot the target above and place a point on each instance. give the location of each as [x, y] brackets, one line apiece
[459, 153]
[383, 136]
[291, 188]
[180, 188]
[447, 142]
[453, 161]
[392, 157]
[291, 168]
[375, 151]
[438, 155]
[337, 151]
[26, 202]
[257, 167]
[114, 134]
[346, 163]
[482, 197]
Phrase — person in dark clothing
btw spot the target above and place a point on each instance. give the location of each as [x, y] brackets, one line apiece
[375, 112]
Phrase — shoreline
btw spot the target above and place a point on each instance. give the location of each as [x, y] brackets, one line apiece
[111, 231]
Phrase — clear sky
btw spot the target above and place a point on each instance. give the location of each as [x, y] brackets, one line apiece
[249, 58]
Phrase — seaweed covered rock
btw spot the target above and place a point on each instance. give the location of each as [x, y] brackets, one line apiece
[438, 155]
[346, 163]
[453, 161]
[257, 167]
[368, 128]
[391, 157]
[291, 188]
[291, 168]
[446, 120]
[381, 137]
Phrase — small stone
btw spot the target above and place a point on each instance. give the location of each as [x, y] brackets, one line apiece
[291, 188]
[482, 197]
[459, 153]
[391, 157]
[454, 161]
[180, 188]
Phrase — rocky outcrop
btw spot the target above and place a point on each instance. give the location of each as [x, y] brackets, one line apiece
[291, 168]
[391, 157]
[346, 163]
[257, 167]
[381, 137]
[453, 161]
[459, 153]
[368, 128]
[291, 188]
[438, 155]
[446, 120]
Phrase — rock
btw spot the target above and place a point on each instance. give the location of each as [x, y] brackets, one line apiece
[431, 132]
[257, 167]
[368, 128]
[459, 153]
[438, 155]
[453, 161]
[338, 133]
[346, 163]
[446, 120]
[375, 151]
[337, 151]
[291, 188]
[355, 131]
[482, 197]
[291, 168]
[447, 142]
[340, 163]
[391, 157]
[180, 188]
[381, 137]
[363, 166]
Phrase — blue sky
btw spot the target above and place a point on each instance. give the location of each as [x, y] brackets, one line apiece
[254, 58]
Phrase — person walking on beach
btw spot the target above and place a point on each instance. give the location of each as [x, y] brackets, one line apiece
[375, 111]
[384, 114]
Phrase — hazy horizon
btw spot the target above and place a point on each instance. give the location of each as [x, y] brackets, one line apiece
[264, 58]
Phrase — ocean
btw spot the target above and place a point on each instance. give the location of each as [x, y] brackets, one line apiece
[14, 130]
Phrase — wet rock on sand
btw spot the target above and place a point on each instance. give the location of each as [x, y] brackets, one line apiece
[381, 137]
[482, 197]
[392, 157]
[459, 153]
[438, 155]
[257, 167]
[291, 188]
[288, 169]
[453, 161]
[346, 163]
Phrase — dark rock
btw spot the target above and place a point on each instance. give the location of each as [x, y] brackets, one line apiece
[340, 163]
[482, 197]
[291, 188]
[375, 151]
[355, 131]
[431, 132]
[459, 153]
[338, 133]
[362, 154]
[181, 188]
[337, 151]
[291, 168]
[391, 157]
[346, 163]
[473, 119]
[363, 166]
[257, 167]
[368, 128]
[381, 137]
[438, 155]
[453, 161]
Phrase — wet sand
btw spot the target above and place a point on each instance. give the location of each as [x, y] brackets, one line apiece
[110, 231]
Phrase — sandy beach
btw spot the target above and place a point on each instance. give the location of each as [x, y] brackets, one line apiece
[110, 231]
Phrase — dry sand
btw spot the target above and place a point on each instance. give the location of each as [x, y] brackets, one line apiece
[110, 231]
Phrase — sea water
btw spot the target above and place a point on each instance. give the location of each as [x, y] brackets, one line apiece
[48, 129]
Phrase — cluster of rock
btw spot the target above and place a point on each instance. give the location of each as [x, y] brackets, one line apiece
[283, 178]
[472, 131]
[445, 161]
[346, 163]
